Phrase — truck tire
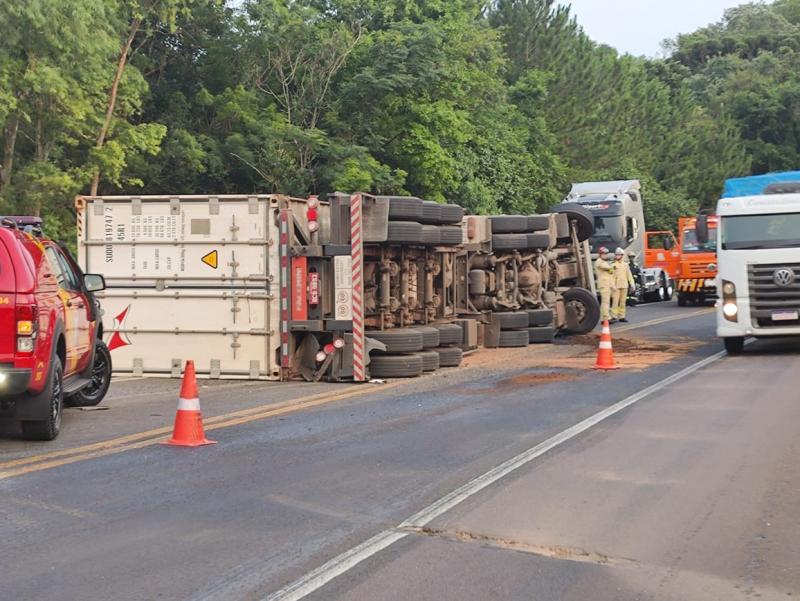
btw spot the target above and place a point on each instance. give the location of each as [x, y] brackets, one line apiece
[583, 218]
[514, 338]
[452, 214]
[403, 208]
[509, 224]
[540, 317]
[405, 231]
[431, 235]
[683, 300]
[450, 334]
[430, 360]
[541, 334]
[430, 337]
[451, 235]
[538, 223]
[94, 393]
[735, 345]
[450, 356]
[396, 366]
[401, 340]
[477, 282]
[431, 212]
[583, 311]
[53, 397]
[509, 241]
[514, 320]
[539, 241]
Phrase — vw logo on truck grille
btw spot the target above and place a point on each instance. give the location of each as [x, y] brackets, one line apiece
[783, 277]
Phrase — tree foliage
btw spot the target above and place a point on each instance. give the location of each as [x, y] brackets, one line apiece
[496, 105]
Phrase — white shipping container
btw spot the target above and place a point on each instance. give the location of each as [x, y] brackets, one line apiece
[188, 277]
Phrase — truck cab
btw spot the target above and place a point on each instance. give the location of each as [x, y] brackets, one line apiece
[698, 261]
[758, 255]
[618, 212]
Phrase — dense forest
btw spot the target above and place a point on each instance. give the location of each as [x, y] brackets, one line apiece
[495, 105]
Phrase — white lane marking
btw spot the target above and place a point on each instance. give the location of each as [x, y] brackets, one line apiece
[341, 564]
[660, 320]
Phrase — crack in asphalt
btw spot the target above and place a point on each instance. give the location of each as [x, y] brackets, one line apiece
[549, 551]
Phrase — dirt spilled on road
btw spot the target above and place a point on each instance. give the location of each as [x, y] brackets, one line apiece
[580, 353]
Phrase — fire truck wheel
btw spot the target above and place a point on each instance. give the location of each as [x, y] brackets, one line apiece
[405, 208]
[514, 320]
[52, 397]
[514, 338]
[405, 231]
[452, 214]
[430, 337]
[430, 361]
[395, 366]
[541, 334]
[583, 311]
[509, 224]
[401, 340]
[509, 241]
[93, 394]
[682, 299]
[451, 234]
[580, 216]
[477, 282]
[450, 356]
[540, 317]
[431, 235]
[540, 241]
[450, 333]
[538, 223]
[431, 212]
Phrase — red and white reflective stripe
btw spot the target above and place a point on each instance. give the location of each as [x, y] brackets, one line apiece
[606, 329]
[605, 344]
[357, 256]
[283, 250]
[188, 404]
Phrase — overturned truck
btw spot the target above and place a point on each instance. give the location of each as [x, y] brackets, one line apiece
[349, 287]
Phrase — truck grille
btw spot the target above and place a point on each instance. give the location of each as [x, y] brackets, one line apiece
[766, 296]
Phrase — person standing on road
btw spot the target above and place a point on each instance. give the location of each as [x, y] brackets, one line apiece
[604, 271]
[623, 282]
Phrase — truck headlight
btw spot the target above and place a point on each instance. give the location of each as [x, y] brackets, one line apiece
[730, 309]
[730, 306]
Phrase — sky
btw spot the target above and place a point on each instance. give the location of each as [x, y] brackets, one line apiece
[639, 26]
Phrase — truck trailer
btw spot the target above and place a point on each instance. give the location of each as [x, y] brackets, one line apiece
[349, 287]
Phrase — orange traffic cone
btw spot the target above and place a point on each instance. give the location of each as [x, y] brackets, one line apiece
[188, 430]
[605, 354]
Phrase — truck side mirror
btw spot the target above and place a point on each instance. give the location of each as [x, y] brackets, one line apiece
[701, 229]
[668, 243]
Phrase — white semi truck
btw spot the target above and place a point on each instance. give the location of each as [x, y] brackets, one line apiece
[758, 253]
[617, 211]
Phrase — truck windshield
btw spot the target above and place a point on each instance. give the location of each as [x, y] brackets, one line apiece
[743, 232]
[691, 245]
[608, 229]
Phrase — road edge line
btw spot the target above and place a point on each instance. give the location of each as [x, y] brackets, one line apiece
[344, 562]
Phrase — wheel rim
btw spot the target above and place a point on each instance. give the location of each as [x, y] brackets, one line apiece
[580, 311]
[99, 377]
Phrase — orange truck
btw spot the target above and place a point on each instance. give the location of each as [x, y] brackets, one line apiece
[692, 264]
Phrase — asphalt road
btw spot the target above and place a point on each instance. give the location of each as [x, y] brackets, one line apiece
[691, 493]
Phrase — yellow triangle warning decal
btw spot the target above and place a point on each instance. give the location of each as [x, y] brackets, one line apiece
[211, 259]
